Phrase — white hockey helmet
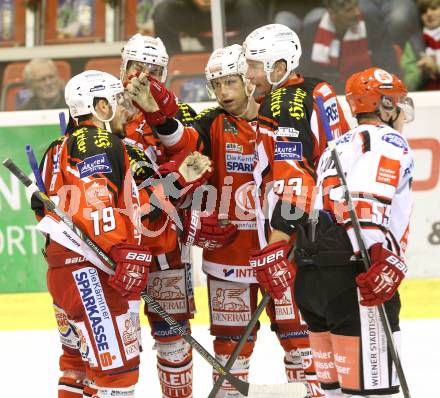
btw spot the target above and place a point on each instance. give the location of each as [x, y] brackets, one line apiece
[82, 89]
[271, 43]
[227, 61]
[146, 49]
[224, 62]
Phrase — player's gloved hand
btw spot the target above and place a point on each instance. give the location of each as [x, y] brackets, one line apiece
[206, 230]
[190, 169]
[151, 97]
[275, 273]
[131, 274]
[380, 282]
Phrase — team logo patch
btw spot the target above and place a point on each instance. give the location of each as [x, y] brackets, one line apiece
[96, 191]
[396, 140]
[127, 330]
[388, 171]
[93, 165]
[238, 163]
[234, 147]
[230, 303]
[288, 151]
[287, 132]
[168, 289]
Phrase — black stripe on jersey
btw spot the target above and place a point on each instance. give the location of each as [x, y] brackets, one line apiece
[264, 122]
[308, 169]
[366, 141]
[370, 196]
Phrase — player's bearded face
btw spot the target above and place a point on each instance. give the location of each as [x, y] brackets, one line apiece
[230, 93]
[257, 76]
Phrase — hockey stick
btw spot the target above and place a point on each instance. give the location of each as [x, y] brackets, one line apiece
[291, 389]
[244, 388]
[364, 253]
[34, 166]
[63, 125]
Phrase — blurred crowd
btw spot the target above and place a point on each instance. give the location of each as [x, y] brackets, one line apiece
[339, 37]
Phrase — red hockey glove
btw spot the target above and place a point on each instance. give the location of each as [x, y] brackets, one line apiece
[151, 97]
[207, 231]
[274, 272]
[131, 274]
[380, 282]
[165, 99]
[190, 169]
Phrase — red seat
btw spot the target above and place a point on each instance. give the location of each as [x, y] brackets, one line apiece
[187, 64]
[186, 73]
[110, 65]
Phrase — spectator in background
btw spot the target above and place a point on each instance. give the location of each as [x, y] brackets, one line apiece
[173, 18]
[344, 41]
[47, 89]
[430, 60]
[292, 12]
[399, 16]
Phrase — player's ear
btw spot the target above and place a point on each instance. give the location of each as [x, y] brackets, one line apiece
[102, 108]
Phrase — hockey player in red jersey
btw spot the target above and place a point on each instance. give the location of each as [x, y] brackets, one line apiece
[340, 305]
[88, 172]
[290, 140]
[170, 282]
[226, 134]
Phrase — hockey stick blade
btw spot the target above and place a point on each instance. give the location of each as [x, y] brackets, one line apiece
[287, 390]
[240, 385]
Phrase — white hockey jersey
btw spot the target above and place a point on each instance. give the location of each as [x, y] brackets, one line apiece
[378, 165]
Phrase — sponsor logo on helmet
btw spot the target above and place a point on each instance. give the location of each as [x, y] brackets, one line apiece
[99, 87]
[382, 76]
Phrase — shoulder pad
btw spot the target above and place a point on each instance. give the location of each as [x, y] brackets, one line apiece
[186, 114]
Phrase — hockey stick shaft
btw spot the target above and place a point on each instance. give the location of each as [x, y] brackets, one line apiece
[63, 125]
[241, 386]
[363, 250]
[34, 166]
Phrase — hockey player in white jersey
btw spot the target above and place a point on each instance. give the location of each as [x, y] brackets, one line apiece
[340, 304]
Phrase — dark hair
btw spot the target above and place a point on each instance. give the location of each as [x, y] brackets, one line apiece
[423, 5]
[337, 4]
[366, 115]
[84, 118]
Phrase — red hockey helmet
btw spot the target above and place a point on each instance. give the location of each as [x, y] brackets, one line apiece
[365, 91]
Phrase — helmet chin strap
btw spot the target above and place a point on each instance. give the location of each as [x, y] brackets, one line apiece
[106, 121]
[390, 122]
[275, 85]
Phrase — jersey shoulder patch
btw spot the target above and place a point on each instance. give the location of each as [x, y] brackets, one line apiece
[186, 114]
